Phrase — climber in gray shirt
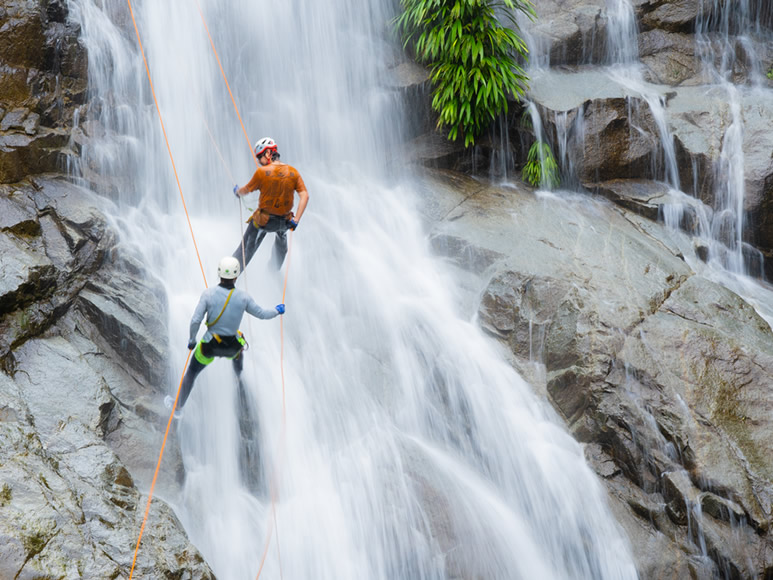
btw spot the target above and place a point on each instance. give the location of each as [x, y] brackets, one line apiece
[224, 306]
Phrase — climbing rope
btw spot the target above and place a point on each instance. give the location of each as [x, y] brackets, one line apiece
[158, 466]
[273, 481]
[214, 143]
[230, 175]
[166, 139]
[228, 86]
[201, 266]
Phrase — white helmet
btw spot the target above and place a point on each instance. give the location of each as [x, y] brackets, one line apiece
[263, 144]
[228, 268]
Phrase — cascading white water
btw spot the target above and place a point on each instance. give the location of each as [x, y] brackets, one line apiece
[625, 69]
[622, 31]
[721, 30]
[722, 33]
[409, 448]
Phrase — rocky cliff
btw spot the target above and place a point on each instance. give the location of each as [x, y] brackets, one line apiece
[701, 67]
[82, 348]
[664, 375]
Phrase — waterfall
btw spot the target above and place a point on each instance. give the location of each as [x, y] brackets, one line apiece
[622, 45]
[625, 69]
[395, 441]
[725, 38]
[727, 44]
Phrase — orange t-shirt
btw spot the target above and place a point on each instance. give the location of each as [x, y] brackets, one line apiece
[277, 185]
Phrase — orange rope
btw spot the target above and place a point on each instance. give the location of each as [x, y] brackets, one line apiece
[284, 420]
[158, 466]
[166, 139]
[201, 266]
[228, 86]
[214, 142]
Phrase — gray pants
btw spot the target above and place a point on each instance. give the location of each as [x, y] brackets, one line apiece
[253, 237]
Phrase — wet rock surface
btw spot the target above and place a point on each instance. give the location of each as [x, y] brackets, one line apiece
[83, 349]
[83, 352]
[700, 72]
[666, 376]
[43, 78]
[683, 50]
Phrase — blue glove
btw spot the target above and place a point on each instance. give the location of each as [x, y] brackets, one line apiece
[191, 344]
[280, 308]
[236, 190]
[292, 224]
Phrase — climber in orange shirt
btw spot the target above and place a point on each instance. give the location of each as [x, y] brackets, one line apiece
[278, 183]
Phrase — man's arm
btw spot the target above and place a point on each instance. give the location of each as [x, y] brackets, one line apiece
[253, 184]
[258, 312]
[198, 316]
[300, 189]
[304, 195]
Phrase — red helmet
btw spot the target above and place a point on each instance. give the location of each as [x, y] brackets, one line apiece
[263, 144]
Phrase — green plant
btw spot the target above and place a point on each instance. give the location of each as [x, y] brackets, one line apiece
[472, 57]
[541, 169]
[770, 73]
[526, 120]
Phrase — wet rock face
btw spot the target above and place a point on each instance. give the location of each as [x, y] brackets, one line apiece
[70, 509]
[601, 128]
[43, 79]
[83, 352]
[572, 33]
[670, 15]
[82, 345]
[664, 375]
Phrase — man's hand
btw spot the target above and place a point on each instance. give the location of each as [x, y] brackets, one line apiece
[292, 224]
[191, 344]
[236, 190]
[280, 308]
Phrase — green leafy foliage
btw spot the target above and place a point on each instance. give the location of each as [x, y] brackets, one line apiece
[473, 58]
[541, 169]
[770, 73]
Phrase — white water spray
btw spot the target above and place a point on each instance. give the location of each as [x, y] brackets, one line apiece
[410, 449]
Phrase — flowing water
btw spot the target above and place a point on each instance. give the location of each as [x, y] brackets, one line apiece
[728, 39]
[384, 436]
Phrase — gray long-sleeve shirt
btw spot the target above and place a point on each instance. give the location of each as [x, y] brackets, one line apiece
[211, 304]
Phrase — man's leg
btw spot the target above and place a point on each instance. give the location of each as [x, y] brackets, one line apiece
[201, 358]
[238, 362]
[250, 243]
[194, 368]
[280, 249]
[250, 465]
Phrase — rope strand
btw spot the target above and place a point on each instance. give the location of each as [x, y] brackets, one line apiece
[166, 139]
[158, 466]
[228, 86]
